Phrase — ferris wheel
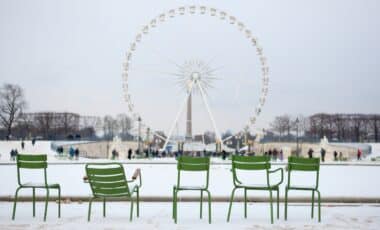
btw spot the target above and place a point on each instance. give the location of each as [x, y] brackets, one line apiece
[195, 76]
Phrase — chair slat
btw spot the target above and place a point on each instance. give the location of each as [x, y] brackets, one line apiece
[108, 178]
[193, 167]
[24, 157]
[105, 171]
[303, 167]
[112, 191]
[108, 184]
[31, 165]
[301, 160]
[251, 166]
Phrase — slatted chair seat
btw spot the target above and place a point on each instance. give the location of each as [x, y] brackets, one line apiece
[301, 187]
[107, 180]
[39, 185]
[191, 187]
[307, 165]
[35, 162]
[257, 186]
[254, 163]
[192, 164]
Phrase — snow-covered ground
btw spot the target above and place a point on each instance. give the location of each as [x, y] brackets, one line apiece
[158, 179]
[158, 216]
[357, 180]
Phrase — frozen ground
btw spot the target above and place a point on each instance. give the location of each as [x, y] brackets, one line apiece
[158, 180]
[158, 216]
[356, 180]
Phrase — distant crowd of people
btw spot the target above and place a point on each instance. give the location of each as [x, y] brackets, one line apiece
[275, 154]
[14, 152]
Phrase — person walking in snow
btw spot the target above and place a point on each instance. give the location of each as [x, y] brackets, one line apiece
[323, 154]
[22, 144]
[359, 154]
[310, 153]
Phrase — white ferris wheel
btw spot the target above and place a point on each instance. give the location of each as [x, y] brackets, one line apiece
[194, 76]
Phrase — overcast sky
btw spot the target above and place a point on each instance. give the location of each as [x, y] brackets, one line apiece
[67, 55]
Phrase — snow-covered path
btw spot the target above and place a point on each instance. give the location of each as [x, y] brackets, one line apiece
[158, 216]
[158, 180]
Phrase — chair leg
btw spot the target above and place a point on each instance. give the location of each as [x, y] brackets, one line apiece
[245, 203]
[209, 206]
[89, 209]
[176, 206]
[131, 213]
[59, 202]
[14, 203]
[278, 203]
[34, 202]
[46, 203]
[271, 206]
[319, 206]
[312, 204]
[286, 204]
[138, 202]
[173, 203]
[104, 207]
[200, 215]
[230, 206]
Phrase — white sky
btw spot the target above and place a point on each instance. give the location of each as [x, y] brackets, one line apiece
[67, 55]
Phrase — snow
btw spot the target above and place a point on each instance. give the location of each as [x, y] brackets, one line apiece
[158, 216]
[337, 180]
[158, 180]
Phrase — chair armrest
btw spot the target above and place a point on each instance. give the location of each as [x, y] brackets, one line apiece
[282, 174]
[136, 174]
[85, 179]
[236, 179]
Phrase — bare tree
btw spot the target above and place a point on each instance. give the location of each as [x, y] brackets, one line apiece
[281, 125]
[125, 125]
[110, 127]
[12, 103]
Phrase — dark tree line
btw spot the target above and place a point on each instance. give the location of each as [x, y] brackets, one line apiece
[345, 127]
[336, 127]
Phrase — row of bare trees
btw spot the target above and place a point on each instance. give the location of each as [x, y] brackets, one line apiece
[16, 123]
[346, 127]
[336, 127]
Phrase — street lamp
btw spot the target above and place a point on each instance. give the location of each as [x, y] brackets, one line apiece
[297, 122]
[139, 135]
[238, 143]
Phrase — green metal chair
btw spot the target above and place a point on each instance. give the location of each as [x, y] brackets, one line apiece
[107, 180]
[254, 163]
[304, 164]
[35, 162]
[194, 164]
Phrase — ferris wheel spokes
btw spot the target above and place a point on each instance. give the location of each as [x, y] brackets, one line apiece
[217, 133]
[179, 113]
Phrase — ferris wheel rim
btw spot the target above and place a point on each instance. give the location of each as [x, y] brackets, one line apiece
[193, 10]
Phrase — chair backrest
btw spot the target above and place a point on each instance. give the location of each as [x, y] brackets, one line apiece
[200, 164]
[107, 179]
[304, 164]
[255, 163]
[186, 163]
[250, 162]
[29, 161]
